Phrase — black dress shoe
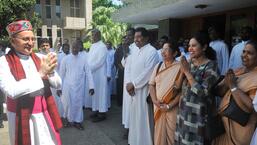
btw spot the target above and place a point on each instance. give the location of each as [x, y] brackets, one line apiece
[98, 118]
[67, 124]
[93, 115]
[79, 126]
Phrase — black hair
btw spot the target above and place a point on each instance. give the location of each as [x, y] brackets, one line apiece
[44, 40]
[165, 37]
[253, 43]
[203, 38]
[131, 30]
[173, 46]
[143, 31]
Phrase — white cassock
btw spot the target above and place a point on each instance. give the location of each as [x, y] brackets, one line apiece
[254, 138]
[111, 74]
[40, 131]
[235, 60]
[144, 60]
[222, 55]
[160, 59]
[97, 62]
[54, 90]
[87, 98]
[74, 70]
[126, 97]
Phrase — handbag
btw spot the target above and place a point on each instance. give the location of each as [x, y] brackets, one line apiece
[234, 112]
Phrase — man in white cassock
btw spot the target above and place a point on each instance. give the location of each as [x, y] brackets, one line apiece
[74, 70]
[144, 60]
[235, 60]
[110, 71]
[221, 49]
[97, 63]
[127, 46]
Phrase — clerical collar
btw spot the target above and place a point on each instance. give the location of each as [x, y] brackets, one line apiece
[22, 56]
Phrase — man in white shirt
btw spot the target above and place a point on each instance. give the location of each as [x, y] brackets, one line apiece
[221, 48]
[74, 71]
[26, 79]
[144, 58]
[235, 60]
[110, 71]
[97, 63]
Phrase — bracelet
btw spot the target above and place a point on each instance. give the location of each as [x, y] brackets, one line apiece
[168, 107]
[233, 89]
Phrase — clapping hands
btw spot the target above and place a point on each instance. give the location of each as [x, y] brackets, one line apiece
[48, 64]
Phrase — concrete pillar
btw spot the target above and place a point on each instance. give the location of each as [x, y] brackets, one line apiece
[54, 35]
[88, 9]
[44, 31]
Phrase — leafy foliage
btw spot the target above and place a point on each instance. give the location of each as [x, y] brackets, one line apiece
[11, 10]
[111, 31]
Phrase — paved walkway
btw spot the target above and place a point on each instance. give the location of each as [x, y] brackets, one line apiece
[108, 132]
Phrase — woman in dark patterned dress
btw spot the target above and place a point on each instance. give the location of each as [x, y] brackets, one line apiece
[201, 74]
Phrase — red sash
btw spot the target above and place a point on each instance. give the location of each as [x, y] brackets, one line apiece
[24, 105]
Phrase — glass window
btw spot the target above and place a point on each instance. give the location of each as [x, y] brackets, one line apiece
[38, 9]
[48, 2]
[49, 32]
[37, 1]
[39, 32]
[59, 33]
[58, 2]
[75, 10]
[58, 11]
[72, 3]
[77, 13]
[48, 12]
[77, 3]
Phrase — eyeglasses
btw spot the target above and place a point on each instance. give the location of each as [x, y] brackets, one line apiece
[27, 39]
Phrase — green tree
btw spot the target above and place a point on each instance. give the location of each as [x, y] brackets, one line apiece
[104, 3]
[11, 10]
[111, 31]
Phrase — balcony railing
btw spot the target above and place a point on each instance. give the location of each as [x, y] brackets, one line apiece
[74, 23]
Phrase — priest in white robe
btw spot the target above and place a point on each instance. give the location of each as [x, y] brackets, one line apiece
[75, 70]
[235, 60]
[221, 49]
[144, 60]
[97, 63]
[110, 71]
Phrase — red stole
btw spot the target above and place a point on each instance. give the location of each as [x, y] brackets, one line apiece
[24, 105]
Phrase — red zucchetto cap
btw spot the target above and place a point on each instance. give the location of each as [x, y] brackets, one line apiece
[18, 26]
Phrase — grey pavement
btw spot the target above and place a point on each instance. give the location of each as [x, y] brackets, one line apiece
[107, 132]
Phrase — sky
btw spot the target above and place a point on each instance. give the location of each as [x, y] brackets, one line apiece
[117, 2]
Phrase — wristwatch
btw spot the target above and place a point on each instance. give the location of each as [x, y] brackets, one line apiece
[233, 89]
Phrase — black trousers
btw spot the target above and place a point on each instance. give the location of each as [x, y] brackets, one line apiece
[119, 85]
[1, 107]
